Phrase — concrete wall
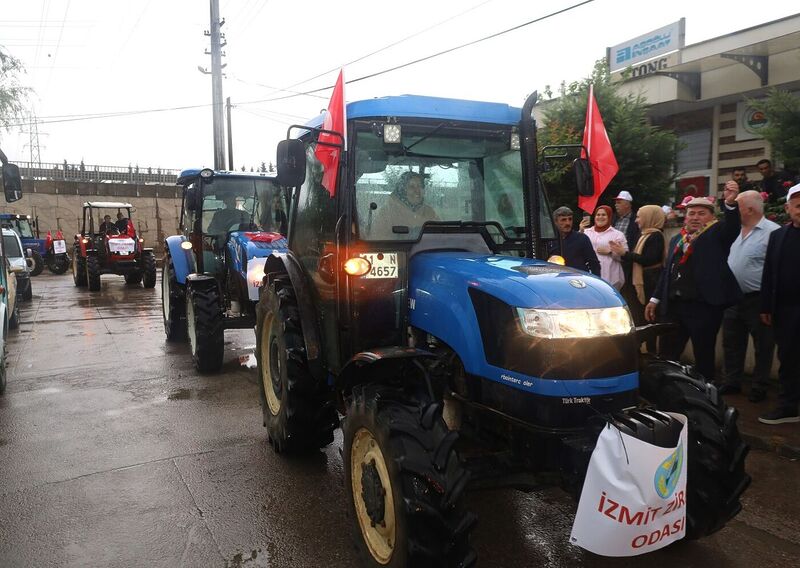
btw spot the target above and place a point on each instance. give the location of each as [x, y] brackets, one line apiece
[59, 205]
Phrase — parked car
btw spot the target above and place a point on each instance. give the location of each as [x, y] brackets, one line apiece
[18, 260]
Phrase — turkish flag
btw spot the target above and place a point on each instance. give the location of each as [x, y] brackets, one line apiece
[601, 156]
[336, 121]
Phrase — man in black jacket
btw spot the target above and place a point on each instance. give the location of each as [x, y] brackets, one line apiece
[576, 248]
[696, 284]
[780, 308]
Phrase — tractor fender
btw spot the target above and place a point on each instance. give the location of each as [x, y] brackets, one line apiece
[286, 263]
[365, 366]
[201, 280]
[183, 261]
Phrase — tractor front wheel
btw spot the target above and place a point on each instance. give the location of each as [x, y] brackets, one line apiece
[58, 263]
[149, 272]
[204, 326]
[716, 477]
[78, 268]
[404, 481]
[297, 414]
[134, 278]
[173, 304]
[38, 263]
[93, 273]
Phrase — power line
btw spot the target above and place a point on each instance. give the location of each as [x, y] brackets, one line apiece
[72, 118]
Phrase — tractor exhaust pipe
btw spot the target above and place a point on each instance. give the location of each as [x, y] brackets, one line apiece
[534, 247]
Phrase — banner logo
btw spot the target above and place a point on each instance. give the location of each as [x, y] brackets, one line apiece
[668, 473]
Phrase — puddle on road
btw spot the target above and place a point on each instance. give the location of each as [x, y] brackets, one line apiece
[194, 394]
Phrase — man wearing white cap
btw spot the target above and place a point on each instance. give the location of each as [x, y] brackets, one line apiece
[780, 308]
[623, 204]
[696, 284]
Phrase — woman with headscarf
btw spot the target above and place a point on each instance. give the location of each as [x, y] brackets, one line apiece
[405, 207]
[647, 257]
[602, 235]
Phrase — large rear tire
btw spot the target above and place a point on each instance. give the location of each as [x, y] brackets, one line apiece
[716, 477]
[13, 321]
[78, 268]
[204, 324]
[134, 278]
[149, 273]
[27, 293]
[93, 273]
[297, 413]
[38, 263]
[404, 481]
[173, 304]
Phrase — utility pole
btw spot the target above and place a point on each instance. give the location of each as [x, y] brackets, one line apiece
[216, 53]
[230, 136]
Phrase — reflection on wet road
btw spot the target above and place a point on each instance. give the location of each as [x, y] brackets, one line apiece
[115, 452]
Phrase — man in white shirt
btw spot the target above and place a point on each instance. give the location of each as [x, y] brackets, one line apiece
[742, 321]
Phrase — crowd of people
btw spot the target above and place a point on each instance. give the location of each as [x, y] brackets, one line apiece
[729, 267]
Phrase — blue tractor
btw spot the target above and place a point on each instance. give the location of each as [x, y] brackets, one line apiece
[21, 224]
[230, 222]
[416, 301]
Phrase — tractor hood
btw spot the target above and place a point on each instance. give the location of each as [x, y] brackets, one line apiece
[256, 244]
[518, 282]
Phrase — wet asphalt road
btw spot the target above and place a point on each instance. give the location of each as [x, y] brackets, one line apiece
[115, 452]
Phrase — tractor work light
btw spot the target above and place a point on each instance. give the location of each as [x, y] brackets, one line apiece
[556, 259]
[206, 173]
[392, 133]
[357, 266]
[186, 245]
[514, 142]
[571, 324]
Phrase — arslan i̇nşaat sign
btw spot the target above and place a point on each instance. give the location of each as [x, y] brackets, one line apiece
[652, 44]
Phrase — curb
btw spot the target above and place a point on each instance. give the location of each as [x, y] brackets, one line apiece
[775, 444]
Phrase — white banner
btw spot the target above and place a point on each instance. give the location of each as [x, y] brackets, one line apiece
[121, 246]
[634, 496]
[59, 246]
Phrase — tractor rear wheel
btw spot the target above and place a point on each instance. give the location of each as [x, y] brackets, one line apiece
[93, 273]
[13, 321]
[149, 273]
[297, 414]
[27, 292]
[78, 268]
[173, 304]
[38, 263]
[204, 326]
[58, 263]
[3, 372]
[404, 481]
[716, 477]
[134, 278]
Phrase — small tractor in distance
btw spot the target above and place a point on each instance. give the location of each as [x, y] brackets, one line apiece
[110, 246]
[417, 303]
[230, 222]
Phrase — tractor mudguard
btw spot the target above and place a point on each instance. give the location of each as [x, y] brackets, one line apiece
[364, 366]
[286, 263]
[201, 280]
[183, 261]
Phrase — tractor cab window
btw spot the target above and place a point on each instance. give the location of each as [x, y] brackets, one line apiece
[23, 228]
[439, 175]
[238, 204]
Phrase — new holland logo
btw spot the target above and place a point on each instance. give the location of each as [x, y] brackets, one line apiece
[577, 283]
[668, 473]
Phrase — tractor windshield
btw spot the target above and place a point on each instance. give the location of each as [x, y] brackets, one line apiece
[239, 203]
[439, 173]
[23, 228]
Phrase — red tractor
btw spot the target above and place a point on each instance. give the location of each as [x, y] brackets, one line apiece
[113, 247]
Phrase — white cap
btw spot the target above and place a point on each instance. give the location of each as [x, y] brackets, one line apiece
[624, 195]
[794, 190]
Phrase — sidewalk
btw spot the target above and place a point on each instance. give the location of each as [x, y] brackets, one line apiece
[783, 439]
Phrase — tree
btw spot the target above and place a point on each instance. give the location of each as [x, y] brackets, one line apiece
[12, 93]
[646, 154]
[782, 110]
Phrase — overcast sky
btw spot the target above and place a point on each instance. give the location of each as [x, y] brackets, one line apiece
[88, 57]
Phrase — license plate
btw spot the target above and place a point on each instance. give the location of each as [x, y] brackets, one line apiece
[384, 264]
[60, 247]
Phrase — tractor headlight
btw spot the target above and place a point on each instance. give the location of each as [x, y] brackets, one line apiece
[561, 324]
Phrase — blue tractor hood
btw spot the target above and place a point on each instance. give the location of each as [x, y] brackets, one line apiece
[461, 298]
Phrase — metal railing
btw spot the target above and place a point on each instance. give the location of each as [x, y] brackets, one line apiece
[100, 174]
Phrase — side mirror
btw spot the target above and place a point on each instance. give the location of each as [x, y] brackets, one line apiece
[291, 163]
[28, 253]
[371, 161]
[12, 182]
[583, 176]
[191, 199]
